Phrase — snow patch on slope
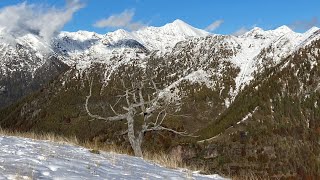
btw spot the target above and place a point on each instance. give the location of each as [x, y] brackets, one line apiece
[171, 92]
[22, 158]
[249, 115]
[277, 44]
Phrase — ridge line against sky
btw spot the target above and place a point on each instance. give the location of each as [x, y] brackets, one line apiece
[222, 17]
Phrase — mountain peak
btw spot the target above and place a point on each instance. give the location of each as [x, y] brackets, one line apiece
[179, 22]
[312, 30]
[120, 32]
[256, 31]
[182, 28]
[259, 32]
[283, 30]
[80, 35]
[165, 37]
[115, 36]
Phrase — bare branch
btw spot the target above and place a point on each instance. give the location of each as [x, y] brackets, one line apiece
[117, 101]
[161, 128]
[163, 117]
[113, 110]
[134, 97]
[156, 123]
[123, 85]
[180, 115]
[118, 118]
[155, 86]
[123, 132]
[127, 98]
[115, 118]
[125, 108]
[149, 98]
[143, 108]
[135, 105]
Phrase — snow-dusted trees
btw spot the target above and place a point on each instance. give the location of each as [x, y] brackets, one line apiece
[141, 101]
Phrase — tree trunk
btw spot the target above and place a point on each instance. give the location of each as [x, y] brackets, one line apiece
[137, 150]
[134, 141]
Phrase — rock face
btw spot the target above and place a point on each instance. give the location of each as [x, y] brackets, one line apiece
[252, 100]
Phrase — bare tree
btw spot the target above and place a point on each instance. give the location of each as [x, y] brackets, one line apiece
[150, 107]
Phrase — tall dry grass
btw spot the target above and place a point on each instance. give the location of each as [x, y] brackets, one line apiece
[41, 136]
[253, 176]
[72, 140]
[171, 161]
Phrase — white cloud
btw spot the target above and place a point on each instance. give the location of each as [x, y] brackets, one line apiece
[305, 24]
[24, 18]
[240, 31]
[215, 25]
[122, 20]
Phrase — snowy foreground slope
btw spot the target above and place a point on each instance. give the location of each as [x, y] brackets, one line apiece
[22, 158]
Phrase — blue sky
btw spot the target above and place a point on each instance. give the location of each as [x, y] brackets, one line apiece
[233, 15]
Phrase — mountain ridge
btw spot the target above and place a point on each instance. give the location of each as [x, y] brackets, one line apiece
[81, 49]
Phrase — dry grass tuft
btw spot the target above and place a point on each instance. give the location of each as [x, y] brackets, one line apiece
[251, 176]
[172, 162]
[41, 136]
[103, 147]
[73, 140]
[164, 160]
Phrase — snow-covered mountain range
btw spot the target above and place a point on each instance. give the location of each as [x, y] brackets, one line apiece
[250, 52]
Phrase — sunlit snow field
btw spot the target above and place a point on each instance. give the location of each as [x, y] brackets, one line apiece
[22, 158]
